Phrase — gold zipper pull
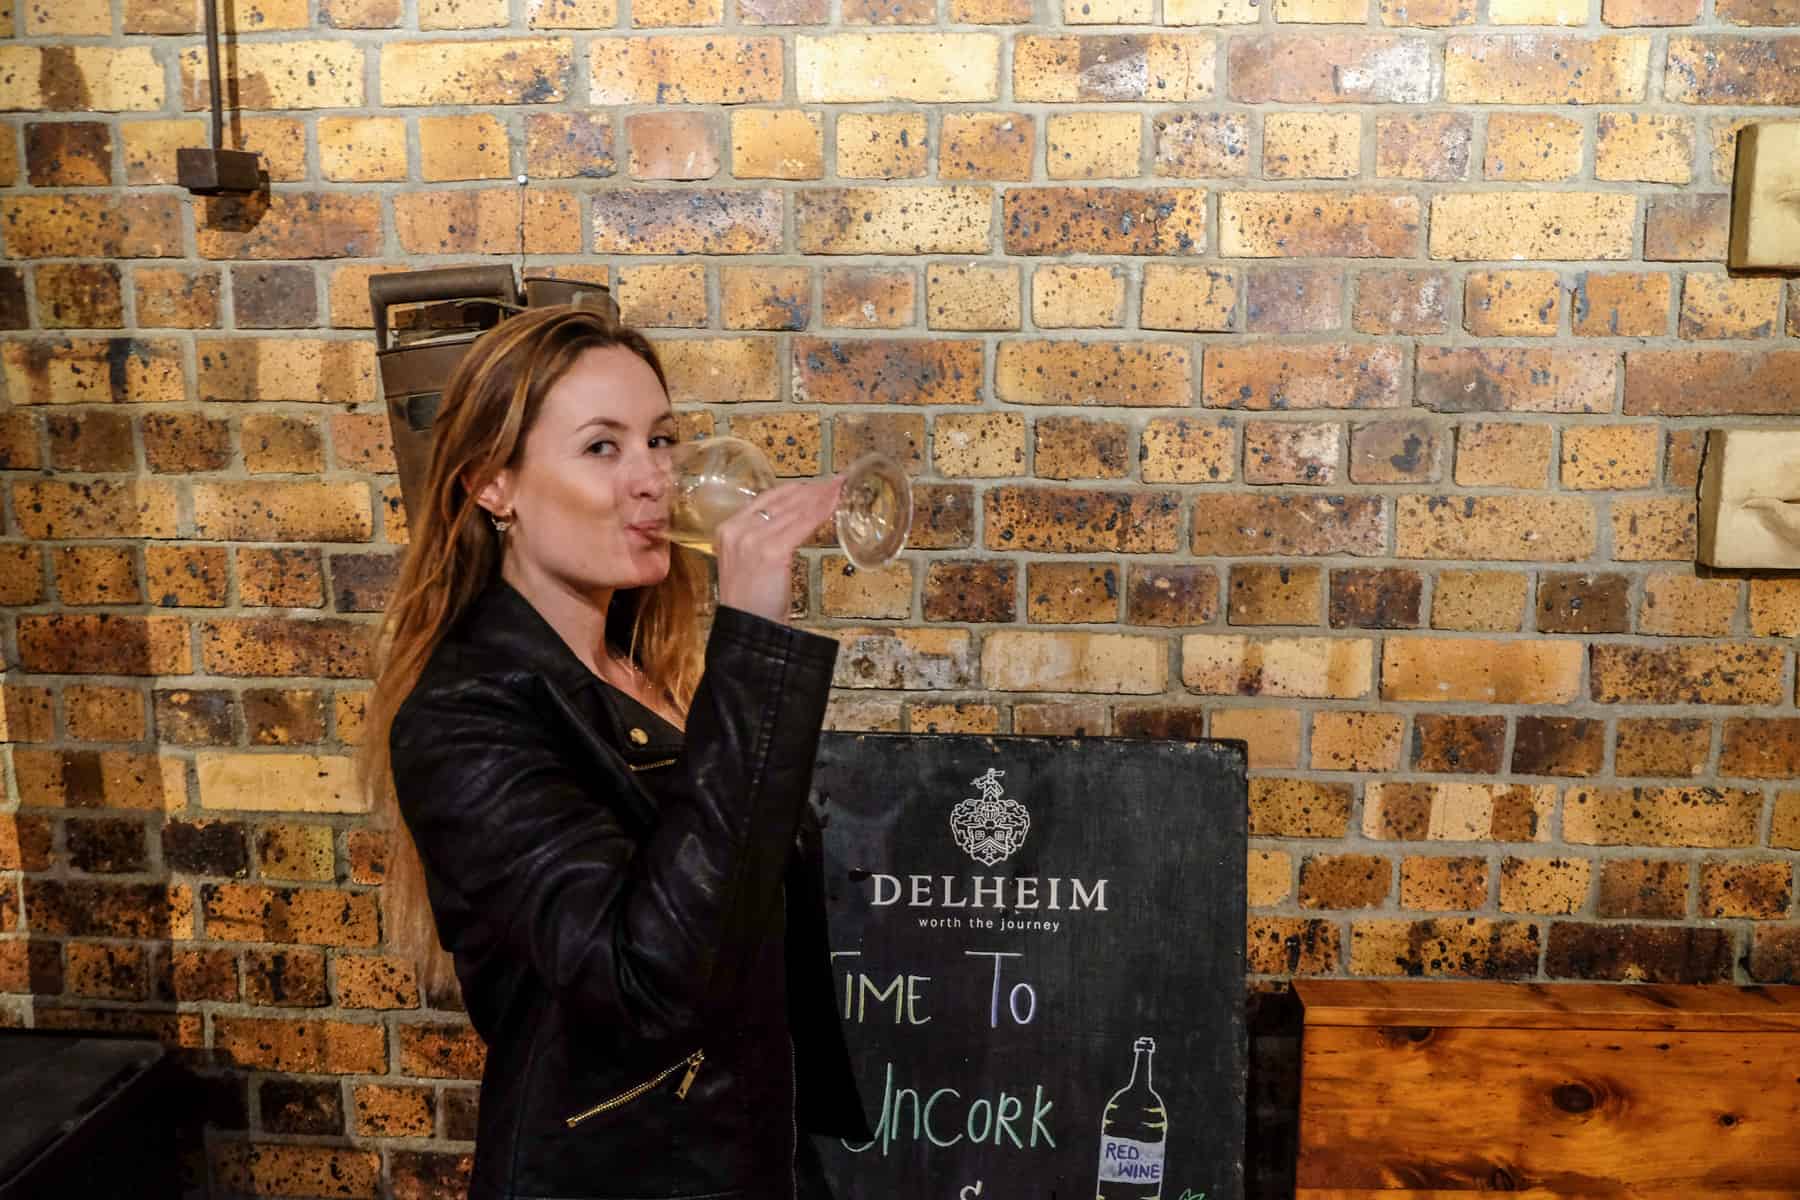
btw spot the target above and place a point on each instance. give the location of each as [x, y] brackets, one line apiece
[687, 1081]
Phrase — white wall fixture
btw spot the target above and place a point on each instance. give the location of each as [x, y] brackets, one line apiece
[1750, 499]
[1765, 198]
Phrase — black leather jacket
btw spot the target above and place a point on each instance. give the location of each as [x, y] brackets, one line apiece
[622, 908]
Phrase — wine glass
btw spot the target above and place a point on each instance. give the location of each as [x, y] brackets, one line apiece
[717, 476]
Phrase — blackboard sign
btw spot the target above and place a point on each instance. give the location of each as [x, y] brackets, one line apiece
[1038, 949]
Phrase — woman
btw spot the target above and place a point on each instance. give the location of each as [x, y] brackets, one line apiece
[611, 826]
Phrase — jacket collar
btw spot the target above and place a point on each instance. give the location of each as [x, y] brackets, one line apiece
[503, 631]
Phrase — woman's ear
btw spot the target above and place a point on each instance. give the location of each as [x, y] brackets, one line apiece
[496, 494]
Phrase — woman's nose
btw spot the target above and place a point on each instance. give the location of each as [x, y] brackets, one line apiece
[651, 476]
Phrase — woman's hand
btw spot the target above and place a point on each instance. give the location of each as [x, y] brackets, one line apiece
[756, 546]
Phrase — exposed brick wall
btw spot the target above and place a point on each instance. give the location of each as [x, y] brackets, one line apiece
[1321, 373]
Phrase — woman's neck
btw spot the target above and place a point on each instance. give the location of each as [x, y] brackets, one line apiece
[579, 618]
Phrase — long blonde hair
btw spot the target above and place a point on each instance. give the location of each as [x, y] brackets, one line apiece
[492, 400]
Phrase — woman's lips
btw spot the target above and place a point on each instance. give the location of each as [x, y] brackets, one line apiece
[650, 531]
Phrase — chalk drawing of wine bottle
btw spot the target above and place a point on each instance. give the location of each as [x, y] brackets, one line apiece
[1133, 1132]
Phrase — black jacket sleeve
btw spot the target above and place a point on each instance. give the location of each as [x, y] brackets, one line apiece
[528, 855]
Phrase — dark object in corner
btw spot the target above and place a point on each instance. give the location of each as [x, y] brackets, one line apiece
[88, 1116]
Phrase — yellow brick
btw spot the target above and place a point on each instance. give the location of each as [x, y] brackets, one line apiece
[765, 297]
[1510, 528]
[1538, 12]
[462, 14]
[1270, 877]
[1074, 662]
[953, 718]
[883, 592]
[79, 17]
[882, 146]
[893, 220]
[1323, 668]
[150, 147]
[362, 149]
[1716, 305]
[1192, 299]
[972, 296]
[567, 145]
[1661, 816]
[572, 14]
[983, 445]
[986, 146]
[1322, 12]
[282, 75]
[1481, 671]
[1211, 12]
[486, 221]
[1319, 224]
[283, 512]
[1158, 67]
[299, 852]
[57, 508]
[1272, 734]
[1530, 68]
[1496, 454]
[1532, 147]
[1080, 371]
[1459, 812]
[1525, 225]
[1677, 604]
[1609, 456]
[791, 440]
[685, 70]
[493, 71]
[324, 783]
[281, 141]
[777, 144]
[664, 13]
[663, 294]
[291, 369]
[1302, 145]
[1512, 303]
[1357, 741]
[1187, 450]
[1544, 885]
[1107, 12]
[672, 144]
[908, 659]
[109, 79]
[465, 147]
[1093, 145]
[935, 68]
[1775, 607]
[1071, 297]
[720, 370]
[1479, 600]
[1648, 147]
[1650, 528]
[80, 371]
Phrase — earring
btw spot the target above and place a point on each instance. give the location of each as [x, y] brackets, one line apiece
[501, 524]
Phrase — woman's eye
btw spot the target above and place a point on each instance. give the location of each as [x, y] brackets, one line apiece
[662, 441]
[603, 447]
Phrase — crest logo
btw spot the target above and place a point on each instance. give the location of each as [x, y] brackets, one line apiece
[989, 827]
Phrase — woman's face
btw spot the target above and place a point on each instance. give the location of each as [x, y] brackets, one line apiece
[588, 495]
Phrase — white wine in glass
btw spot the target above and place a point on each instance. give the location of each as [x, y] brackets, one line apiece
[717, 476]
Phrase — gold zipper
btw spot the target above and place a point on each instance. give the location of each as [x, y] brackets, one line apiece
[692, 1062]
[650, 766]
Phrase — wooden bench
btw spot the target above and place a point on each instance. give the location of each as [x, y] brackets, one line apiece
[1417, 1090]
